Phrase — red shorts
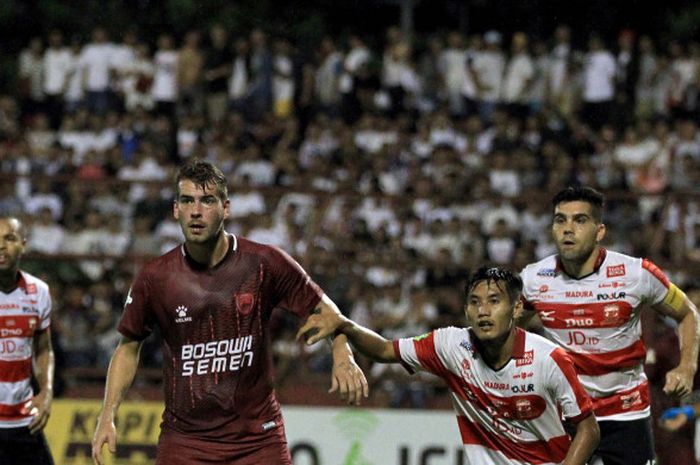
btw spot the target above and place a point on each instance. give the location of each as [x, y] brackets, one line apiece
[182, 449]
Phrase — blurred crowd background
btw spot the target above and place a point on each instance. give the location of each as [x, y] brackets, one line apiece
[388, 161]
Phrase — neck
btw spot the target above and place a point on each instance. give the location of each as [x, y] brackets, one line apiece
[578, 269]
[209, 253]
[497, 352]
[8, 281]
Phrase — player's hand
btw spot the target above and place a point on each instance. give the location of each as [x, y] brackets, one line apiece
[40, 407]
[679, 382]
[674, 419]
[320, 325]
[349, 380]
[105, 432]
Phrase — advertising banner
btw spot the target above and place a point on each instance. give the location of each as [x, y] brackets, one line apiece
[317, 436]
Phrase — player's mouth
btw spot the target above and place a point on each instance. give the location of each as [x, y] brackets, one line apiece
[196, 227]
[485, 325]
[568, 243]
[3, 259]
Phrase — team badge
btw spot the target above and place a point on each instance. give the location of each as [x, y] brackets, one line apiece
[244, 303]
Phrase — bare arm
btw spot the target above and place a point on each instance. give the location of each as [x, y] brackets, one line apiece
[347, 377]
[43, 371]
[679, 381]
[584, 443]
[120, 375]
[329, 321]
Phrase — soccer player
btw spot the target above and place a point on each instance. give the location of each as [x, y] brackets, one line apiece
[509, 387]
[212, 298]
[589, 301]
[25, 350]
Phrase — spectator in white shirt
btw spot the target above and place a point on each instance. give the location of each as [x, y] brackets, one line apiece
[96, 61]
[489, 66]
[74, 94]
[165, 91]
[518, 78]
[57, 67]
[46, 235]
[599, 84]
[31, 65]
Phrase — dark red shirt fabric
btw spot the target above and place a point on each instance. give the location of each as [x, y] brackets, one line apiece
[214, 322]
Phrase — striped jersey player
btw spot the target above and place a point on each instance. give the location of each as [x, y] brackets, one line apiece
[509, 388]
[25, 352]
[589, 301]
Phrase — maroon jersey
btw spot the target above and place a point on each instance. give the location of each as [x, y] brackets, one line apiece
[214, 323]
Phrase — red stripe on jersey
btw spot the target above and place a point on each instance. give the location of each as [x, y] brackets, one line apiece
[607, 362]
[630, 400]
[425, 351]
[585, 315]
[13, 411]
[15, 370]
[18, 326]
[566, 365]
[534, 452]
[656, 271]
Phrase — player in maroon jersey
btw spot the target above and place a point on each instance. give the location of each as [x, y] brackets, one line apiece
[212, 298]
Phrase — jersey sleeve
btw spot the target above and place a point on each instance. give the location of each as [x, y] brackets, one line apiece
[563, 383]
[654, 283]
[293, 289]
[525, 295]
[45, 308]
[137, 318]
[421, 353]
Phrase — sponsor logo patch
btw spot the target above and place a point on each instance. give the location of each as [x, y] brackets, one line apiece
[615, 270]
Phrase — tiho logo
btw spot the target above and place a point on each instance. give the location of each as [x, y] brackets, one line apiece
[356, 425]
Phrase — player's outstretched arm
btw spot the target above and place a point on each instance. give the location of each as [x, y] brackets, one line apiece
[329, 321]
[677, 305]
[584, 443]
[120, 375]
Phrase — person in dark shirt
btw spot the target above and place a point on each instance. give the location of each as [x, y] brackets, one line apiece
[211, 298]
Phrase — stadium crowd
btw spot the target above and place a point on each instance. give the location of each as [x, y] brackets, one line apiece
[388, 166]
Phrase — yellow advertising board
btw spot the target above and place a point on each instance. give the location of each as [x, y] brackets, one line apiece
[72, 424]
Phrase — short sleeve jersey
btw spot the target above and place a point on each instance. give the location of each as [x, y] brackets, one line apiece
[596, 319]
[510, 416]
[23, 312]
[214, 324]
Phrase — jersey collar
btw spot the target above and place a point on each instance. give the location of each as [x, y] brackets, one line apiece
[518, 344]
[602, 253]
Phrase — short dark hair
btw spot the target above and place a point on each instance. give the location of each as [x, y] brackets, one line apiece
[582, 194]
[497, 274]
[203, 174]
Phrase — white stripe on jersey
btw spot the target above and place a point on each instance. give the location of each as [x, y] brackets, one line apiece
[610, 383]
[15, 393]
[477, 455]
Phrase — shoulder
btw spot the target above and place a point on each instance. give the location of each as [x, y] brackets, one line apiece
[267, 253]
[617, 264]
[163, 263]
[545, 268]
[33, 285]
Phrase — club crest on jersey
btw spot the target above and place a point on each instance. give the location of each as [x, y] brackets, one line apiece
[614, 271]
[244, 303]
[181, 312]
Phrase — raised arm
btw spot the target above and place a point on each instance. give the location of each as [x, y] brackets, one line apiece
[120, 375]
[584, 443]
[679, 381]
[43, 371]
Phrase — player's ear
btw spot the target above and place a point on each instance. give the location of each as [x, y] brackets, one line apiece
[227, 208]
[518, 309]
[176, 210]
[600, 233]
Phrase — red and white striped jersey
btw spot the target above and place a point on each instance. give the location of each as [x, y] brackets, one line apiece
[597, 320]
[23, 312]
[510, 416]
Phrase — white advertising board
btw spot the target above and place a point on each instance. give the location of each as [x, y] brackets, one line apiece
[352, 436]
